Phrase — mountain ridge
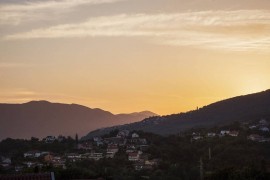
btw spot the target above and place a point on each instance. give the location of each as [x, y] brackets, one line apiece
[240, 108]
[18, 120]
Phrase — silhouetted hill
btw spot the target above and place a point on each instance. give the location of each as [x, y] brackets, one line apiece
[42, 118]
[242, 108]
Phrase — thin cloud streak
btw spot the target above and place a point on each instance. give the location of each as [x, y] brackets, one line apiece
[242, 30]
[14, 65]
[15, 14]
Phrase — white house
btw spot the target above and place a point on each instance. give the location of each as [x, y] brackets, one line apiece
[233, 133]
[135, 135]
[224, 132]
[123, 133]
[50, 139]
[97, 139]
[210, 134]
[32, 154]
[264, 129]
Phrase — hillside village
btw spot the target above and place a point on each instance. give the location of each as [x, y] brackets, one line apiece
[135, 148]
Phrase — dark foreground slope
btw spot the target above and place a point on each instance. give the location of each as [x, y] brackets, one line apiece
[42, 118]
[241, 108]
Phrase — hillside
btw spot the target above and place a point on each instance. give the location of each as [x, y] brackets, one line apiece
[42, 118]
[242, 108]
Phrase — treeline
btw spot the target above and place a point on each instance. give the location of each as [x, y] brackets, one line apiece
[215, 158]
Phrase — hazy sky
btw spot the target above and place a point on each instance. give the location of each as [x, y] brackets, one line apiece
[167, 56]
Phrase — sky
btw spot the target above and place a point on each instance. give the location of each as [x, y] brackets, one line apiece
[166, 56]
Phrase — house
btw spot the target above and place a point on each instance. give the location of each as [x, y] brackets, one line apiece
[138, 166]
[265, 139]
[224, 132]
[5, 162]
[111, 151]
[130, 148]
[135, 135]
[255, 137]
[112, 148]
[252, 127]
[50, 139]
[134, 156]
[18, 168]
[32, 154]
[123, 133]
[97, 139]
[48, 158]
[142, 141]
[264, 129]
[73, 156]
[85, 146]
[110, 155]
[59, 162]
[197, 137]
[95, 156]
[210, 134]
[153, 162]
[233, 133]
[100, 143]
[30, 164]
[194, 134]
[115, 140]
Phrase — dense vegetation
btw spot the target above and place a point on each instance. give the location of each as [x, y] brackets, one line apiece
[232, 158]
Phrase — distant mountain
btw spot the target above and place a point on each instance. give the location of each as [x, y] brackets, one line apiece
[42, 118]
[242, 108]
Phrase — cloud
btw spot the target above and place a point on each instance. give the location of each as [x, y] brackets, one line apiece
[15, 14]
[241, 30]
[13, 65]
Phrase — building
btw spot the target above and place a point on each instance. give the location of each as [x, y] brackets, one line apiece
[135, 135]
[233, 133]
[123, 133]
[255, 137]
[50, 139]
[32, 154]
[5, 162]
[85, 146]
[73, 156]
[134, 156]
[264, 129]
[96, 139]
[48, 158]
[224, 132]
[111, 151]
[95, 156]
[197, 137]
[112, 148]
[211, 134]
[115, 140]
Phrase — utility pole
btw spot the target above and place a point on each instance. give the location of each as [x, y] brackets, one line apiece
[201, 169]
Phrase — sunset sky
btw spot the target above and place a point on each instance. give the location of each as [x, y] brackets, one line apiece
[167, 56]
